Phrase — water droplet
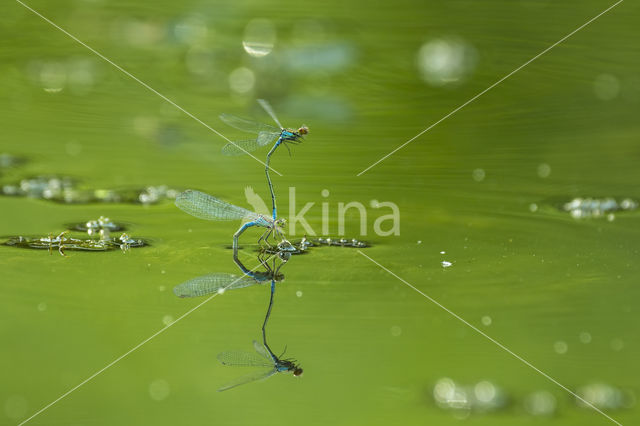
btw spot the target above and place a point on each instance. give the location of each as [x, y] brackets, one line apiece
[540, 403]
[167, 319]
[446, 61]
[544, 170]
[585, 337]
[15, 407]
[396, 331]
[486, 320]
[617, 344]
[259, 37]
[159, 390]
[478, 175]
[560, 347]
[606, 87]
[242, 80]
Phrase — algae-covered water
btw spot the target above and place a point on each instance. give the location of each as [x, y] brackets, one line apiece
[475, 213]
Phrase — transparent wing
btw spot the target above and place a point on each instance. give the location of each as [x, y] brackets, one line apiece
[265, 138]
[247, 125]
[205, 206]
[262, 350]
[241, 147]
[247, 378]
[244, 359]
[267, 107]
[211, 283]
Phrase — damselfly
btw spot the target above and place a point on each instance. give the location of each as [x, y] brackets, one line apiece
[205, 206]
[220, 282]
[262, 357]
[266, 135]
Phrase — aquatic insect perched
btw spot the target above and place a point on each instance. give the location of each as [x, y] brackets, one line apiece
[205, 206]
[266, 134]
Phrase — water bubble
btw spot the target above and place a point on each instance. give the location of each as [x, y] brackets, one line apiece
[53, 77]
[167, 319]
[486, 320]
[560, 347]
[585, 337]
[606, 87]
[617, 344]
[199, 60]
[533, 207]
[544, 170]
[242, 80]
[446, 61]
[540, 403]
[419, 242]
[15, 407]
[478, 175]
[259, 37]
[443, 252]
[485, 391]
[190, 30]
[396, 331]
[299, 293]
[138, 33]
[159, 390]
[446, 264]
[602, 396]
[42, 306]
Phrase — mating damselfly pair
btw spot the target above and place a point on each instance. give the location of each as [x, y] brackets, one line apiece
[208, 207]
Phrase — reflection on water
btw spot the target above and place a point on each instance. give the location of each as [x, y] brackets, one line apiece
[269, 272]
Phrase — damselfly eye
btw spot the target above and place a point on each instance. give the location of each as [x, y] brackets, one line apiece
[297, 372]
[304, 130]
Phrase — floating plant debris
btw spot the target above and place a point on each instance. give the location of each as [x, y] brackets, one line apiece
[301, 246]
[7, 161]
[597, 207]
[45, 187]
[63, 242]
[591, 207]
[64, 189]
[100, 226]
[605, 397]
[483, 396]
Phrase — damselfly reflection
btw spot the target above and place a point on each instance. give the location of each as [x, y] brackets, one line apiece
[221, 282]
[205, 206]
[262, 357]
[266, 357]
[266, 135]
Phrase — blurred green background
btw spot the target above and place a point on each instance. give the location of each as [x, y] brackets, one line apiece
[365, 77]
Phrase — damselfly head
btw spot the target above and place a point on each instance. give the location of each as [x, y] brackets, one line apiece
[304, 130]
[281, 222]
[297, 372]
